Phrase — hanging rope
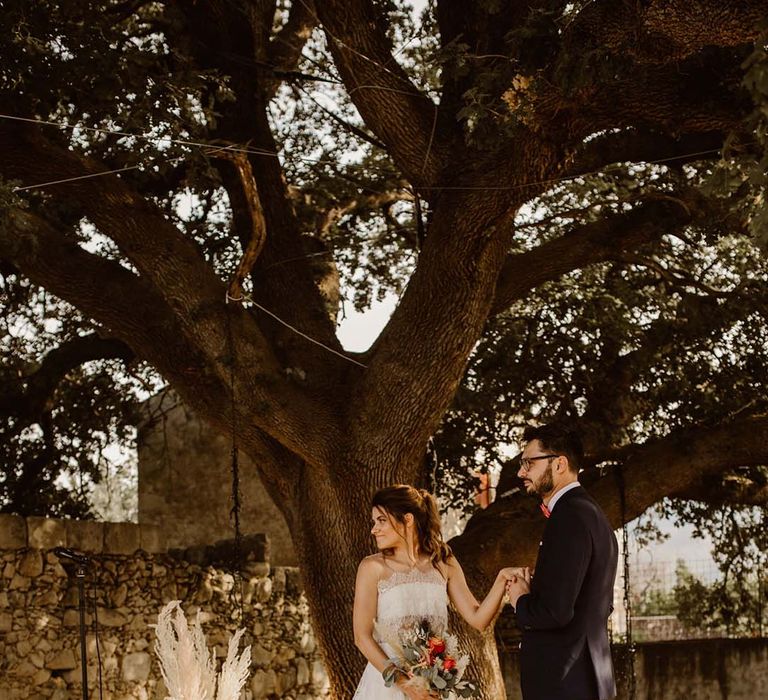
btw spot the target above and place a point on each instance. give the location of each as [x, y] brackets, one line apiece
[631, 649]
[234, 513]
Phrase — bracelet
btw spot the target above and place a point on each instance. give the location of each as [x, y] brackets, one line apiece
[390, 673]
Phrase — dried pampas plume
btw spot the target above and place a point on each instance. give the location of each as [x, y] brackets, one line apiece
[188, 668]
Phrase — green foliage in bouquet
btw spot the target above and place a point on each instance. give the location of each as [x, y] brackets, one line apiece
[431, 660]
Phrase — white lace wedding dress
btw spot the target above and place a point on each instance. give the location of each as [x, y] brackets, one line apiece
[405, 599]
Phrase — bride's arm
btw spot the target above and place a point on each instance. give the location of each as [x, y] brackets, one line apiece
[364, 613]
[479, 615]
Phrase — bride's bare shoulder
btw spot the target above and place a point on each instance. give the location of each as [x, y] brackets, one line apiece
[450, 567]
[373, 564]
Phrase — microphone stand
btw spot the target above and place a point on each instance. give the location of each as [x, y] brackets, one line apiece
[80, 572]
[81, 569]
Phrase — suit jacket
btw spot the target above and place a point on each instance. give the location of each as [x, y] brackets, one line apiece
[565, 652]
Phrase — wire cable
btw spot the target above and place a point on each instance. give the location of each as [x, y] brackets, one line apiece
[248, 299]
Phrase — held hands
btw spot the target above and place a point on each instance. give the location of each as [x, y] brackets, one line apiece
[518, 582]
[512, 572]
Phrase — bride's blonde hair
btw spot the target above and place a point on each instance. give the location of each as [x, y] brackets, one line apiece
[400, 499]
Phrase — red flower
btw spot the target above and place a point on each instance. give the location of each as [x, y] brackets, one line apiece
[436, 645]
[449, 663]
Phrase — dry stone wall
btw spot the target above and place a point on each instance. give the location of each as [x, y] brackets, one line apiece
[129, 582]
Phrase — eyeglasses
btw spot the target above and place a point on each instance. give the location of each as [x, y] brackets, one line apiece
[525, 462]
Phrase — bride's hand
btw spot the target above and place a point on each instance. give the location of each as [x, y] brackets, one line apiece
[510, 573]
[415, 692]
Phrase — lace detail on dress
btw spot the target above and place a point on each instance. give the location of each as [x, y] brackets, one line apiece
[408, 598]
[413, 576]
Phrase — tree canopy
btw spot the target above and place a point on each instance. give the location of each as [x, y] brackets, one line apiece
[568, 199]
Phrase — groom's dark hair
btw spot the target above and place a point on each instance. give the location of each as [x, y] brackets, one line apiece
[560, 439]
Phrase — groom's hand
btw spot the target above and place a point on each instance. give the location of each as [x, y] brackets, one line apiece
[512, 572]
[518, 586]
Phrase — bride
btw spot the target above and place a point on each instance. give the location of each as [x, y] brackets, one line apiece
[410, 579]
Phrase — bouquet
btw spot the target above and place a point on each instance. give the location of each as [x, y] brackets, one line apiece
[430, 660]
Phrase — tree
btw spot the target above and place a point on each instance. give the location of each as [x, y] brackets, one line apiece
[571, 191]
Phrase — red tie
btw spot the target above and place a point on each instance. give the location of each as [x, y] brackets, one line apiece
[544, 510]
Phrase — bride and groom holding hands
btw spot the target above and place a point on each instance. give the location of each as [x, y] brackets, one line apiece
[562, 610]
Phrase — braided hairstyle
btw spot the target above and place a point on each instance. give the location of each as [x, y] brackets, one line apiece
[400, 499]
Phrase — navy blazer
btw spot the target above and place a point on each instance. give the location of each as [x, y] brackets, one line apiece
[565, 652]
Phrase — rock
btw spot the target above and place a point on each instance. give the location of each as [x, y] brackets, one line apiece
[25, 670]
[285, 681]
[13, 531]
[279, 579]
[261, 656]
[319, 676]
[85, 535]
[136, 666]
[111, 618]
[263, 684]
[9, 570]
[307, 644]
[47, 599]
[63, 661]
[119, 595]
[161, 692]
[151, 538]
[41, 677]
[293, 585]
[6, 622]
[36, 659]
[302, 672]
[23, 648]
[263, 590]
[19, 582]
[121, 538]
[257, 569]
[46, 533]
[169, 591]
[204, 593]
[72, 618]
[285, 655]
[3, 599]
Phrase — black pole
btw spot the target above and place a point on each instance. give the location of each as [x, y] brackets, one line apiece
[80, 576]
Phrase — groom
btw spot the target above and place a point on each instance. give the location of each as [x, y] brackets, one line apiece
[563, 609]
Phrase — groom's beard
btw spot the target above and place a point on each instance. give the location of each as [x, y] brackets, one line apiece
[545, 484]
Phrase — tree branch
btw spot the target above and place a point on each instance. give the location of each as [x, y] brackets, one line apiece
[286, 46]
[136, 314]
[25, 403]
[586, 245]
[509, 530]
[663, 31]
[171, 263]
[635, 146]
[390, 104]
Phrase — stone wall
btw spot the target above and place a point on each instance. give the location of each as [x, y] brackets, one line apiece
[39, 643]
[704, 669]
[185, 483]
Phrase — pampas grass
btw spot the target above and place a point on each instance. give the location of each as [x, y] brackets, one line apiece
[188, 668]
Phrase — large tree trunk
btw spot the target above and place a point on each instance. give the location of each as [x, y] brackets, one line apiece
[331, 533]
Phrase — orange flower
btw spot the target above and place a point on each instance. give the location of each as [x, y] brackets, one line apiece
[449, 663]
[436, 645]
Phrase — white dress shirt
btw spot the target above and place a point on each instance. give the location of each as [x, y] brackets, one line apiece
[559, 494]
